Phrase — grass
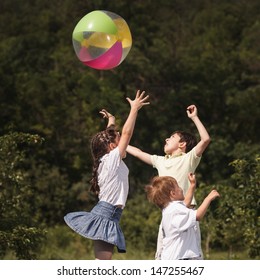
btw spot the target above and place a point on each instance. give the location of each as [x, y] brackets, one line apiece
[63, 244]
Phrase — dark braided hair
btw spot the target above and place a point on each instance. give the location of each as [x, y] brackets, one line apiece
[99, 147]
[187, 137]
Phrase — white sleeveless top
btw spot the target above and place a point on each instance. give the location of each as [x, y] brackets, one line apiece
[113, 179]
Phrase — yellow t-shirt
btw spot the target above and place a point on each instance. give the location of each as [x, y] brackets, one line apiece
[177, 167]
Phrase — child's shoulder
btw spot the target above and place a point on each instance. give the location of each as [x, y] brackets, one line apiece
[111, 154]
[173, 206]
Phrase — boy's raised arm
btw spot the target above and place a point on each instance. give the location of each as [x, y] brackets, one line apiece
[191, 190]
[192, 113]
[201, 211]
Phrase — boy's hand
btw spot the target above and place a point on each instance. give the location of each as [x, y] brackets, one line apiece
[192, 111]
[212, 195]
[192, 179]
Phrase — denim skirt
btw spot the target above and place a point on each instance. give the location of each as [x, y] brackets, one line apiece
[101, 223]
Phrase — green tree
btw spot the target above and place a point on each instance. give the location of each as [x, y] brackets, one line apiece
[247, 203]
[232, 221]
[19, 229]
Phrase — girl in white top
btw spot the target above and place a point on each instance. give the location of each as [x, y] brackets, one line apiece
[110, 183]
[178, 220]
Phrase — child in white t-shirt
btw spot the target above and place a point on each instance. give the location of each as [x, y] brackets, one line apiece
[180, 240]
[110, 183]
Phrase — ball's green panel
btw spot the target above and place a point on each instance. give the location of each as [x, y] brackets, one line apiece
[96, 21]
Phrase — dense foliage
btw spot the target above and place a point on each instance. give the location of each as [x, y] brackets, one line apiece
[203, 52]
[19, 227]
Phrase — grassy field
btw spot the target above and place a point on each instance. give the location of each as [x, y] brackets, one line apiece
[62, 244]
[66, 245]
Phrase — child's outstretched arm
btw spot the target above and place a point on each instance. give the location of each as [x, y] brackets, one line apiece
[192, 113]
[128, 128]
[201, 211]
[136, 152]
[111, 119]
[190, 192]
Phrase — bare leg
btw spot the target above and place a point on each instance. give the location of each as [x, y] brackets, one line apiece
[103, 250]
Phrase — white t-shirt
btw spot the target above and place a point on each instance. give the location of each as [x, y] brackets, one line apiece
[177, 167]
[179, 229]
[113, 179]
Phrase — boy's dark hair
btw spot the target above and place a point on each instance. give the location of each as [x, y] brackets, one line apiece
[187, 137]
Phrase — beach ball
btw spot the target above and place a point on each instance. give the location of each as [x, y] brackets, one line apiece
[102, 40]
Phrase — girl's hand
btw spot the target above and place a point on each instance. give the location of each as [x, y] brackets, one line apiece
[139, 100]
[105, 114]
[110, 117]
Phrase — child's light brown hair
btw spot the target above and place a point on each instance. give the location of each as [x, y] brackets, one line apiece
[159, 190]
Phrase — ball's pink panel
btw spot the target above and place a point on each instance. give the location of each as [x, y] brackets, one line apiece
[84, 55]
[109, 59]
